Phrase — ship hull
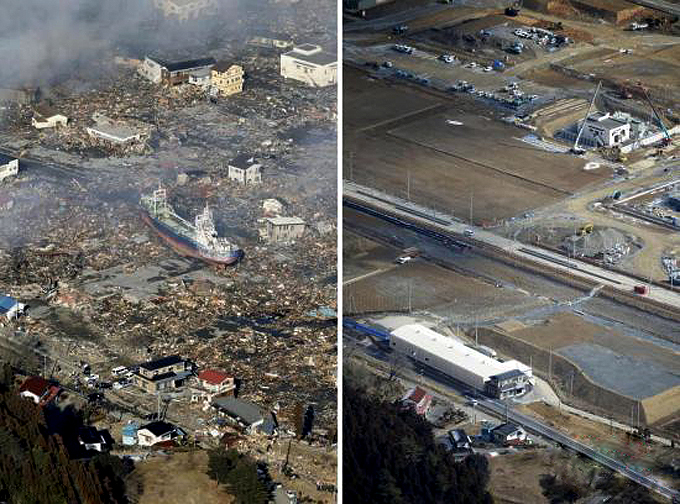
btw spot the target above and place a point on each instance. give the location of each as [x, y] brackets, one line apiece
[185, 247]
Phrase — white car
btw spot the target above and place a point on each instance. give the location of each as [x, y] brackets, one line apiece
[469, 232]
[404, 259]
[488, 68]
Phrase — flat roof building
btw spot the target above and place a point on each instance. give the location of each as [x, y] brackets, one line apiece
[159, 71]
[451, 357]
[308, 63]
[283, 229]
[47, 117]
[604, 130]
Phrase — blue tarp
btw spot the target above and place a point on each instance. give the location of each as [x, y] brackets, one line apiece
[7, 303]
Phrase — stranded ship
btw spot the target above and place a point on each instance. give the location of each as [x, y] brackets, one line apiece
[197, 240]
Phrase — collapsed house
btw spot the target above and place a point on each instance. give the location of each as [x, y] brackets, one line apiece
[308, 63]
[46, 117]
[246, 415]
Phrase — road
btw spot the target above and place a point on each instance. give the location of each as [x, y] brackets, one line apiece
[660, 5]
[503, 410]
[499, 408]
[417, 214]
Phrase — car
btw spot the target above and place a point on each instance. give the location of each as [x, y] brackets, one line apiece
[469, 232]
[387, 64]
[488, 68]
[447, 58]
[404, 259]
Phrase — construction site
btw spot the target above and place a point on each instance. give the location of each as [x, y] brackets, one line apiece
[135, 229]
[511, 181]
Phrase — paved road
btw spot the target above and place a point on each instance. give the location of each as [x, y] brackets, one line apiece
[660, 5]
[417, 214]
[500, 409]
[533, 425]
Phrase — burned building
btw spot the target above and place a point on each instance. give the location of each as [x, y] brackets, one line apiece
[173, 73]
[308, 63]
[244, 169]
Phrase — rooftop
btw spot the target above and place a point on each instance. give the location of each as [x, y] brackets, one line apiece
[158, 428]
[286, 221]
[213, 376]
[416, 394]
[162, 362]
[7, 303]
[505, 429]
[456, 352]
[243, 161]
[178, 66]
[315, 57]
[45, 111]
[244, 411]
[5, 159]
[36, 385]
[223, 66]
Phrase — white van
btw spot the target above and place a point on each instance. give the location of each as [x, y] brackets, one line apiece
[117, 371]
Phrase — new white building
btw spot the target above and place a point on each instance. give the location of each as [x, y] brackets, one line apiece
[9, 167]
[308, 63]
[604, 130]
[451, 357]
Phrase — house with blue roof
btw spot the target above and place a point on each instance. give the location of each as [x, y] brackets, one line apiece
[10, 308]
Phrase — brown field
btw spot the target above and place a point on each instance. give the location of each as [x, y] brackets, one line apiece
[397, 137]
[179, 478]
[515, 478]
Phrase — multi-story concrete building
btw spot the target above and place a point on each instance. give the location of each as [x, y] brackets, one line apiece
[283, 229]
[184, 10]
[308, 63]
[226, 78]
[603, 130]
[162, 374]
[244, 169]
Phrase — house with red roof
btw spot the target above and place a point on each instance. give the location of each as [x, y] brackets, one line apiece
[39, 390]
[417, 399]
[213, 382]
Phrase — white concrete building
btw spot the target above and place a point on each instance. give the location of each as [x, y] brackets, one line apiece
[9, 167]
[308, 63]
[450, 356]
[603, 130]
[112, 131]
[173, 72]
[283, 229]
[244, 169]
[46, 117]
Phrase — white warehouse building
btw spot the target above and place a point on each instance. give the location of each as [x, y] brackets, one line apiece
[308, 63]
[461, 362]
[604, 130]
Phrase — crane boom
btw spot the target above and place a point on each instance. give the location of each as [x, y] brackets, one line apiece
[583, 124]
[656, 114]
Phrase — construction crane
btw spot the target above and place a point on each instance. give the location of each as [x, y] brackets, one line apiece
[658, 118]
[576, 148]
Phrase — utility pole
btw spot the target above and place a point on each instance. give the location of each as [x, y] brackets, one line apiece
[476, 334]
[410, 297]
[550, 365]
[572, 384]
[472, 196]
[408, 185]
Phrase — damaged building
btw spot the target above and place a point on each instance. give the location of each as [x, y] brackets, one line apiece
[9, 166]
[116, 132]
[174, 73]
[226, 78]
[45, 116]
[283, 229]
[245, 169]
[166, 373]
[310, 64]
